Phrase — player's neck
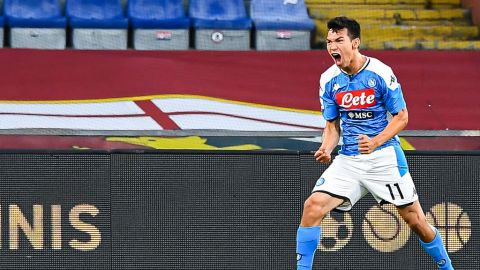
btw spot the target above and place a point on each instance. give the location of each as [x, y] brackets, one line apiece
[358, 62]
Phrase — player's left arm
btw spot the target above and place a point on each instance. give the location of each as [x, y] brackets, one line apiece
[395, 104]
[367, 145]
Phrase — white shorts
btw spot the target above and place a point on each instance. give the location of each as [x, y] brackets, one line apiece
[383, 173]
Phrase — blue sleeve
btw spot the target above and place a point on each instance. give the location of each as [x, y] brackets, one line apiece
[393, 96]
[329, 106]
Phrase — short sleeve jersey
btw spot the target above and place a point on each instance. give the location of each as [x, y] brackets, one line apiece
[364, 101]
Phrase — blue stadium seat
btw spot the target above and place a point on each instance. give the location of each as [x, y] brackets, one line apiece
[220, 24]
[280, 14]
[159, 24]
[97, 24]
[281, 24]
[219, 14]
[34, 13]
[154, 14]
[106, 14]
[35, 24]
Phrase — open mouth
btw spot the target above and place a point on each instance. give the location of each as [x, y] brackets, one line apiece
[336, 56]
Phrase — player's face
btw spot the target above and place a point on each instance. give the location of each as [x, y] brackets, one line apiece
[341, 48]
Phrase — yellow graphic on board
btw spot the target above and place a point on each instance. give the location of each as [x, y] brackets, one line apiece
[191, 143]
[406, 145]
[453, 223]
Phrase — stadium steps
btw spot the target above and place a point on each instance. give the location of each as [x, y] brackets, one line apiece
[401, 24]
[427, 45]
[429, 3]
[440, 32]
[371, 2]
[387, 6]
[436, 22]
[450, 45]
[381, 13]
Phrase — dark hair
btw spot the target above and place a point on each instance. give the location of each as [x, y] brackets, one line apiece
[339, 23]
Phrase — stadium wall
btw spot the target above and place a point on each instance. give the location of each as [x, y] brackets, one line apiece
[428, 80]
[216, 210]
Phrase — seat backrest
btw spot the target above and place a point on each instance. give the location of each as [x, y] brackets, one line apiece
[32, 8]
[217, 9]
[94, 9]
[156, 8]
[278, 8]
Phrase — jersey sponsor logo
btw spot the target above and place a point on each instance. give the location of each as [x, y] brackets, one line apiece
[360, 115]
[356, 99]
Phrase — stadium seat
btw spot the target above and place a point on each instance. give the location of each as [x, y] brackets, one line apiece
[158, 24]
[281, 24]
[37, 24]
[97, 24]
[220, 24]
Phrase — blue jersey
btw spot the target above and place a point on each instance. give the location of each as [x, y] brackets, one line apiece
[365, 101]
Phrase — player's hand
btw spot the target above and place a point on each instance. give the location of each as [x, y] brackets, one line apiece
[323, 156]
[365, 144]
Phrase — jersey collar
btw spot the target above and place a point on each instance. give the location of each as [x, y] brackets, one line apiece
[360, 70]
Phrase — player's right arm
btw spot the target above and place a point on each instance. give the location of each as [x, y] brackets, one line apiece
[330, 139]
[331, 133]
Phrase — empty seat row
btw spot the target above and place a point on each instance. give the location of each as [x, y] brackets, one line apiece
[158, 24]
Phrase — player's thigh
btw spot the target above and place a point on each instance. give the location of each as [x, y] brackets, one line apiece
[399, 191]
[321, 203]
[341, 180]
[390, 181]
[316, 207]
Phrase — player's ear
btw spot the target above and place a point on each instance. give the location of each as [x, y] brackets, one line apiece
[356, 43]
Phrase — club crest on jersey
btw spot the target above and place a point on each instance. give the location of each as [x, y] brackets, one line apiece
[356, 99]
[372, 82]
[320, 182]
[441, 262]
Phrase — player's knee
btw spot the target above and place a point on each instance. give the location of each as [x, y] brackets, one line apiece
[415, 221]
[314, 208]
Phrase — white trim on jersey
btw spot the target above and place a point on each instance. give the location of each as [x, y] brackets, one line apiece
[372, 64]
[384, 71]
[327, 76]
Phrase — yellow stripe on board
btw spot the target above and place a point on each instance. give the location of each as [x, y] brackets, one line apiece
[406, 145]
[140, 98]
[191, 142]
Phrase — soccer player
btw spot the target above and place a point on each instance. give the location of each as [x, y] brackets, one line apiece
[362, 95]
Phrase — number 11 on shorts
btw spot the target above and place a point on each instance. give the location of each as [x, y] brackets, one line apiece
[391, 190]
